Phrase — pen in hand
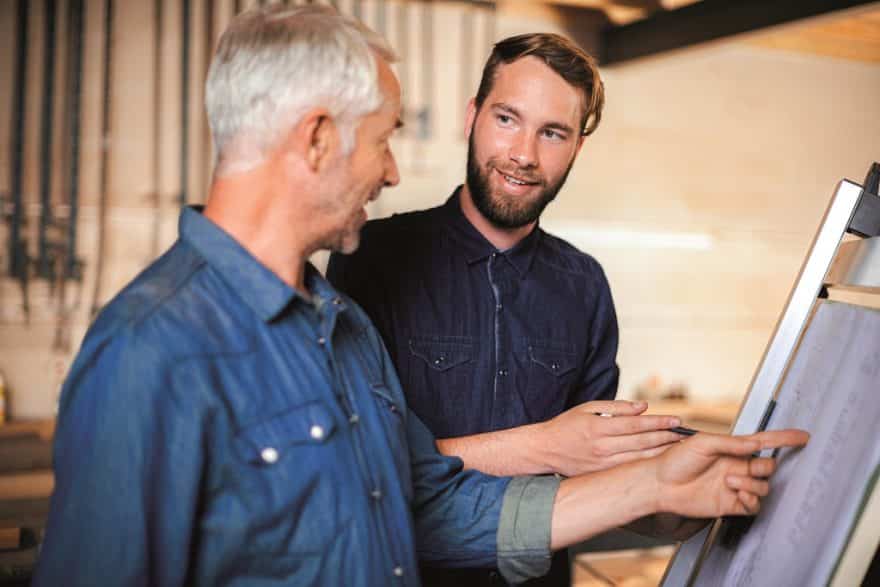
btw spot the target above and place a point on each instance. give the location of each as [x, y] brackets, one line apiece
[683, 430]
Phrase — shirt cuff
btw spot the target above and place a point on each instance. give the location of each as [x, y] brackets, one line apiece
[524, 527]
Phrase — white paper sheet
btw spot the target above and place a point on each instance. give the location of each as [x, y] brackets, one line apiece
[833, 391]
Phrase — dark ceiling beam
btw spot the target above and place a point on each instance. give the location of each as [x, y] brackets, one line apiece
[707, 21]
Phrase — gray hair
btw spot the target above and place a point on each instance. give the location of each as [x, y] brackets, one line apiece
[275, 63]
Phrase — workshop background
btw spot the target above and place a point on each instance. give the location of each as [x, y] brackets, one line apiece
[727, 127]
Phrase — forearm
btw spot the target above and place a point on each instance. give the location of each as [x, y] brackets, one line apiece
[511, 452]
[591, 504]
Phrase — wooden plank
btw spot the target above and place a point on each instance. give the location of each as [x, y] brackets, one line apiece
[45, 429]
[29, 485]
[856, 38]
[9, 538]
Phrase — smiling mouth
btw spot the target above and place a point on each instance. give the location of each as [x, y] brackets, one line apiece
[512, 179]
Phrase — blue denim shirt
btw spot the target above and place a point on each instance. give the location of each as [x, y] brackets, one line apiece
[219, 428]
[483, 339]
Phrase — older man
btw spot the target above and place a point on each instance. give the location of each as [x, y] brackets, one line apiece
[232, 420]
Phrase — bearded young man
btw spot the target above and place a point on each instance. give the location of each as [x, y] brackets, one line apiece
[504, 336]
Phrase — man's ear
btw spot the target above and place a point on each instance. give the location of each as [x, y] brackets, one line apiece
[318, 138]
[470, 117]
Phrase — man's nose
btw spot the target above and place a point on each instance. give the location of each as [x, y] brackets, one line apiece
[523, 150]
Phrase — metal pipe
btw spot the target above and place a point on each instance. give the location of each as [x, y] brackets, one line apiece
[77, 20]
[425, 115]
[184, 103]
[17, 250]
[157, 126]
[490, 31]
[44, 265]
[18, 256]
[206, 162]
[403, 64]
[467, 56]
[105, 156]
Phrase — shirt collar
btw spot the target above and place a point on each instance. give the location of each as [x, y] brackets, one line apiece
[475, 247]
[262, 290]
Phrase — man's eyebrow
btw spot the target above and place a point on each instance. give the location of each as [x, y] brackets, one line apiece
[560, 126]
[506, 108]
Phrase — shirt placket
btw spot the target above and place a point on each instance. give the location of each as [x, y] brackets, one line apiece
[498, 269]
[372, 483]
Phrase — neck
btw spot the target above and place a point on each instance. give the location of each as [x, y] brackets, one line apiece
[244, 205]
[501, 238]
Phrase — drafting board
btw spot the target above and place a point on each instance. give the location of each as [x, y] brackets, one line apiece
[712, 557]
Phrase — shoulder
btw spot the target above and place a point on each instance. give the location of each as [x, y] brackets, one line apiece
[391, 231]
[173, 310]
[161, 287]
[562, 255]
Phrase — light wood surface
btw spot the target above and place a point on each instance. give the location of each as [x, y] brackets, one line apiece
[30, 485]
[623, 568]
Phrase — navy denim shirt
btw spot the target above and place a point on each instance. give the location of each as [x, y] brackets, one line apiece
[483, 339]
[218, 428]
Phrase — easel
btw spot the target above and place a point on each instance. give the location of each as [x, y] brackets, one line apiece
[832, 261]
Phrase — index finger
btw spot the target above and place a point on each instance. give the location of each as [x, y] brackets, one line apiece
[721, 444]
[790, 437]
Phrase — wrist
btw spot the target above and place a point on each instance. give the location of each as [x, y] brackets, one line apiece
[664, 494]
[541, 448]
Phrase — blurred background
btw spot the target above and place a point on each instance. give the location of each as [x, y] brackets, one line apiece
[727, 127]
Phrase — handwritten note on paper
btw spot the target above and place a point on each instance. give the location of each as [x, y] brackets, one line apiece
[833, 391]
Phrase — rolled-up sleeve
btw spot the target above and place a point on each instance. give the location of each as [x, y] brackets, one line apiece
[524, 527]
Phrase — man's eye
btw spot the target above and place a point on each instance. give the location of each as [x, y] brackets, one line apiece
[553, 135]
[504, 119]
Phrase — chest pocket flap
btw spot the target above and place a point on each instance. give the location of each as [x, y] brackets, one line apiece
[442, 355]
[556, 361]
[268, 441]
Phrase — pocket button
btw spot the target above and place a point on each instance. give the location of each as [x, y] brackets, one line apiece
[269, 455]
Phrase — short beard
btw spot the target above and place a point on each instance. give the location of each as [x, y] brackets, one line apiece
[498, 212]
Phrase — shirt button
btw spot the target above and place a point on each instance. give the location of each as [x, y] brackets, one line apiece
[494, 255]
[376, 494]
[316, 432]
[337, 301]
[502, 372]
[354, 419]
[439, 360]
[499, 307]
[269, 455]
[322, 341]
[554, 366]
[398, 571]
